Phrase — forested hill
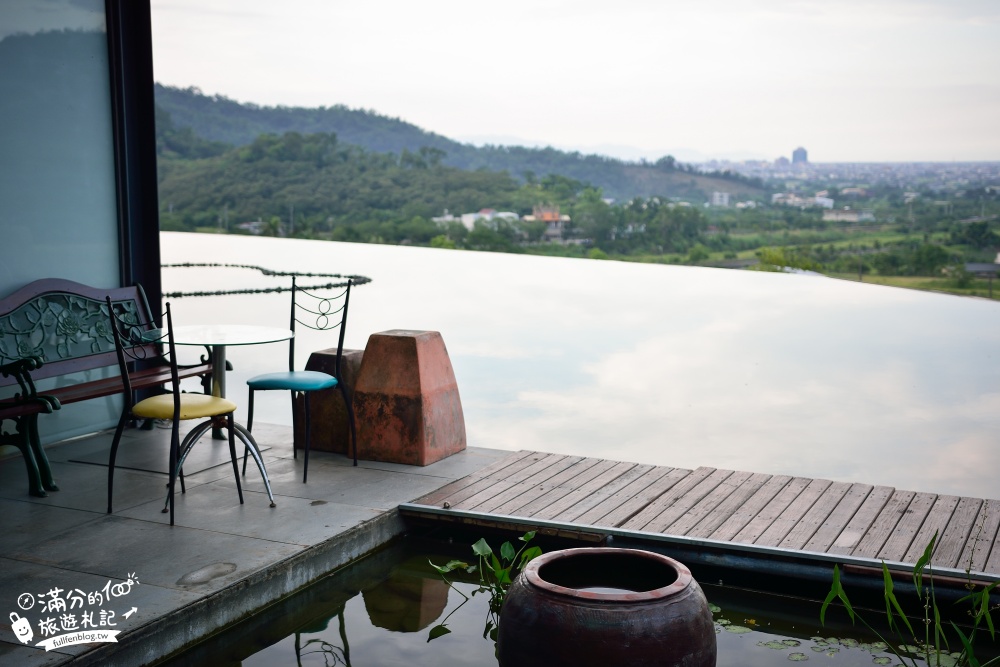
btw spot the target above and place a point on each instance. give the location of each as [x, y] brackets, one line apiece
[219, 119]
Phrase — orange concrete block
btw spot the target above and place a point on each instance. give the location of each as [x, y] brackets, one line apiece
[406, 400]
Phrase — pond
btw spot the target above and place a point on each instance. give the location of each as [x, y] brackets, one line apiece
[669, 365]
[381, 610]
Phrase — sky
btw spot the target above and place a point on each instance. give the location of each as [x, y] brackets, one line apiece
[850, 80]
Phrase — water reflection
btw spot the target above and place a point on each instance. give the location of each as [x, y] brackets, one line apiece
[330, 623]
[406, 601]
[674, 366]
[331, 654]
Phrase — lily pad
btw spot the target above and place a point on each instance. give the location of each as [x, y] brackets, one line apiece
[774, 643]
[724, 621]
[714, 608]
[791, 642]
[882, 660]
[738, 629]
[797, 657]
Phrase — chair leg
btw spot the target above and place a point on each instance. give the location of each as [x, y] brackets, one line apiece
[231, 427]
[35, 444]
[305, 469]
[174, 463]
[114, 454]
[295, 431]
[21, 438]
[350, 421]
[249, 429]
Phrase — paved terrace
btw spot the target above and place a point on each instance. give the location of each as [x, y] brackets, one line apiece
[221, 562]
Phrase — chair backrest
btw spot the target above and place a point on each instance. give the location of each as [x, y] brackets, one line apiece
[320, 313]
[62, 323]
[137, 341]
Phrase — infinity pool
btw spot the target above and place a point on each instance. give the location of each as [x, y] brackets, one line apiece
[669, 365]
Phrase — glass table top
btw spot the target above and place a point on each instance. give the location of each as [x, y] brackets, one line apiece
[228, 334]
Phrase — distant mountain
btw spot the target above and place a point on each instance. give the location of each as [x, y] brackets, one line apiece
[215, 118]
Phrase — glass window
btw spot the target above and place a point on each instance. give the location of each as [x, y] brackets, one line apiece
[58, 217]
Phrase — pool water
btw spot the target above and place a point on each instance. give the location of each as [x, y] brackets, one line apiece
[381, 612]
[665, 365]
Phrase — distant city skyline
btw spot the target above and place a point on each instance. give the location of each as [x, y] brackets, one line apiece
[850, 80]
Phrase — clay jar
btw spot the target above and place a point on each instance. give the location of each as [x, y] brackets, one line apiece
[605, 606]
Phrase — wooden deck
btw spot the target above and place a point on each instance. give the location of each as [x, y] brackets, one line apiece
[792, 513]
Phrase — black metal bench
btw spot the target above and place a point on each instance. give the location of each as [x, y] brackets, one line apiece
[55, 328]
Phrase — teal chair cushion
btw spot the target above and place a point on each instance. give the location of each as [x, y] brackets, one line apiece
[294, 381]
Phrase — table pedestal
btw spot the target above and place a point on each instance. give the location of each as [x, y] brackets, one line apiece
[406, 399]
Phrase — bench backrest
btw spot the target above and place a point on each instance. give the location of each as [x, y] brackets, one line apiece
[66, 324]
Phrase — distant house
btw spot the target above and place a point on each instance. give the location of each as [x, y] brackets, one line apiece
[791, 199]
[446, 218]
[487, 215]
[720, 199]
[555, 222]
[253, 227]
[848, 215]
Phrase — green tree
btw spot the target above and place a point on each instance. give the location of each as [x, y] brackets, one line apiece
[442, 241]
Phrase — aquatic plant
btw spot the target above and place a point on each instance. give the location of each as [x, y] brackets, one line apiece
[933, 648]
[496, 573]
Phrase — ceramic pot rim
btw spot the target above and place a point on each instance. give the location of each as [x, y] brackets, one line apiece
[682, 581]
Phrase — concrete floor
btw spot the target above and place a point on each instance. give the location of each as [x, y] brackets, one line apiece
[220, 562]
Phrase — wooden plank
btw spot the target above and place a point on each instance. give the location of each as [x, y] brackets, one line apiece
[685, 503]
[585, 475]
[662, 503]
[570, 470]
[871, 542]
[757, 526]
[792, 514]
[902, 534]
[733, 503]
[951, 544]
[536, 463]
[571, 506]
[818, 513]
[745, 513]
[510, 465]
[862, 521]
[993, 562]
[984, 535]
[935, 523]
[708, 505]
[523, 482]
[631, 497]
[837, 521]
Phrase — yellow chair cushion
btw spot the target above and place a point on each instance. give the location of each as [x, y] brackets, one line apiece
[193, 406]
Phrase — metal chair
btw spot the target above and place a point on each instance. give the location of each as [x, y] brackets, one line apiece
[320, 314]
[140, 341]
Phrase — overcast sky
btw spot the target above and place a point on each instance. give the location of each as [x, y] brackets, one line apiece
[850, 80]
